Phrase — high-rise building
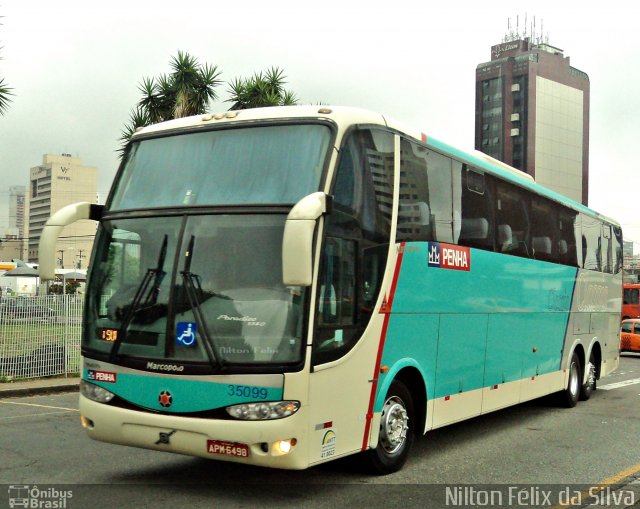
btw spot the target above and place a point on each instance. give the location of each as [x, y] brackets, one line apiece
[16, 211]
[61, 180]
[532, 112]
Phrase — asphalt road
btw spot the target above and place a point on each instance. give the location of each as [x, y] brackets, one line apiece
[531, 446]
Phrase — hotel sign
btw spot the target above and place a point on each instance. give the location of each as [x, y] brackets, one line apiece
[497, 51]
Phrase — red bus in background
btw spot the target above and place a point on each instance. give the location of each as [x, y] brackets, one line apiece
[630, 301]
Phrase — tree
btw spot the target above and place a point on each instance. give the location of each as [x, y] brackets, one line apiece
[5, 92]
[186, 91]
[190, 87]
[261, 90]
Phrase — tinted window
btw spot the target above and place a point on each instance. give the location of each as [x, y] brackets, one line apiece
[512, 223]
[618, 257]
[567, 226]
[425, 210]
[591, 243]
[472, 209]
[356, 242]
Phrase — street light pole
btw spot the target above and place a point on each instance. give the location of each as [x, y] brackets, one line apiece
[80, 257]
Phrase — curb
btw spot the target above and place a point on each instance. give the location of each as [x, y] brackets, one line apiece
[33, 388]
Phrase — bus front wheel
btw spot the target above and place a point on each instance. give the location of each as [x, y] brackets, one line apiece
[397, 431]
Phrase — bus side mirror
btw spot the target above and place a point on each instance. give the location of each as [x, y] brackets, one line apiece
[54, 226]
[297, 243]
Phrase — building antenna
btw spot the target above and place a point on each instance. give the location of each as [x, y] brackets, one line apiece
[533, 30]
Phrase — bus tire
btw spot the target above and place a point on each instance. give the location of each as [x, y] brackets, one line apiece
[397, 431]
[587, 389]
[569, 397]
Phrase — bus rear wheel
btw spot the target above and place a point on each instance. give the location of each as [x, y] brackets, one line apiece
[587, 389]
[569, 396]
[397, 431]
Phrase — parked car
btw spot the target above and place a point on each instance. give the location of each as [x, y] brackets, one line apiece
[630, 335]
[23, 309]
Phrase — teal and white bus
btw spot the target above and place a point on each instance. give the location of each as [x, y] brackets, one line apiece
[285, 286]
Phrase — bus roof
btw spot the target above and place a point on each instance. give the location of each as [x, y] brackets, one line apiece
[345, 116]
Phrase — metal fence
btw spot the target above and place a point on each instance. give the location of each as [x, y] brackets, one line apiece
[40, 336]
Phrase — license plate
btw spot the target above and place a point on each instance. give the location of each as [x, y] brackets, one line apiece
[227, 448]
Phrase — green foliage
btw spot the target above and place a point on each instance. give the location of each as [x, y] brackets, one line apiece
[5, 93]
[71, 288]
[261, 90]
[190, 87]
[187, 90]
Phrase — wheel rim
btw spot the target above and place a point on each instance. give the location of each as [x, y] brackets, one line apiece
[574, 383]
[394, 425]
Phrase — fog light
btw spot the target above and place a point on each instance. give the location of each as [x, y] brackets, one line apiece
[86, 423]
[282, 447]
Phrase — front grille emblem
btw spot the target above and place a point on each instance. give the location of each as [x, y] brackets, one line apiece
[165, 399]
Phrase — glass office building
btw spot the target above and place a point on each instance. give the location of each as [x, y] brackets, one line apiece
[532, 112]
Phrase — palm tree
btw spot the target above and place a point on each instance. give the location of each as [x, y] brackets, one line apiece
[187, 90]
[260, 90]
[5, 92]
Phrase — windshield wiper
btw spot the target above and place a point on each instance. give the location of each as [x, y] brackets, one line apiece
[149, 289]
[193, 289]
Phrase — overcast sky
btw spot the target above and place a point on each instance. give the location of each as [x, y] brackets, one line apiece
[75, 67]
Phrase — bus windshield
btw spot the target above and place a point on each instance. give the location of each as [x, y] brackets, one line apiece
[276, 164]
[195, 289]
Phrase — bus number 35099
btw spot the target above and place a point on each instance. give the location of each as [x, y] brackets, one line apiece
[245, 391]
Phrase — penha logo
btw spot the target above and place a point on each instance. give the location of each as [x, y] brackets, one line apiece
[101, 376]
[448, 256]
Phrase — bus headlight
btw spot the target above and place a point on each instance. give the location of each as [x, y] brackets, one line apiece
[95, 392]
[263, 411]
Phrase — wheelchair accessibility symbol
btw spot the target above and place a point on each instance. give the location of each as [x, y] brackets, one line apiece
[186, 333]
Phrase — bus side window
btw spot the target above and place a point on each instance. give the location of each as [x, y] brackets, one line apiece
[425, 208]
[512, 209]
[567, 253]
[337, 303]
[474, 208]
[607, 250]
[373, 266]
[617, 233]
[544, 236]
[356, 242]
[591, 243]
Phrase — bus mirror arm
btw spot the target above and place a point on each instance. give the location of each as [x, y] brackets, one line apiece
[297, 242]
[54, 226]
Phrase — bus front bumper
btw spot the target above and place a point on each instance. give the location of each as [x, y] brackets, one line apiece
[278, 443]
